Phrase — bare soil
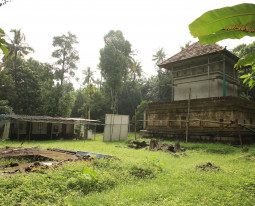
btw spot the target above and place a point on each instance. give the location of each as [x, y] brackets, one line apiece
[30, 159]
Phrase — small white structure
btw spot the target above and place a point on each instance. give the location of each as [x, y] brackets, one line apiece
[89, 134]
[116, 127]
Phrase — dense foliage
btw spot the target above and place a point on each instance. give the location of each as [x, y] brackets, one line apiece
[31, 87]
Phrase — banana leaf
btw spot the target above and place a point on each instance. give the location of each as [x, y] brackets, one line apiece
[5, 50]
[229, 22]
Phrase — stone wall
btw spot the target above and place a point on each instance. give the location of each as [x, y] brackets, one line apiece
[209, 117]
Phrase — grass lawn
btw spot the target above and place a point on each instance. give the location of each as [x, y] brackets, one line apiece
[136, 177]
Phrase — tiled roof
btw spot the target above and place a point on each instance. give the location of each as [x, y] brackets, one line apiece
[193, 50]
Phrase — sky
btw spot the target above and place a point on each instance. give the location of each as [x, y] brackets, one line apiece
[147, 24]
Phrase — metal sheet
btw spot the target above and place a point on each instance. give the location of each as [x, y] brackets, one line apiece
[116, 127]
[91, 154]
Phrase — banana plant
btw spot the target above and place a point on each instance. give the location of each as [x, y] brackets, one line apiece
[233, 22]
[3, 43]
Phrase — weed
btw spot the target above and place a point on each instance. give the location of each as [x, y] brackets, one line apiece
[137, 177]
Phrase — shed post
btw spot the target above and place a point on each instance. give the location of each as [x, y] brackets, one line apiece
[135, 124]
[239, 133]
[172, 83]
[209, 86]
[95, 131]
[187, 122]
[18, 129]
[29, 130]
[224, 76]
[144, 119]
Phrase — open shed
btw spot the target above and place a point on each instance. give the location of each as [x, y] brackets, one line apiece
[20, 127]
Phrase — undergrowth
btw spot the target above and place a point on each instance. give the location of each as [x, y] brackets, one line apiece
[137, 177]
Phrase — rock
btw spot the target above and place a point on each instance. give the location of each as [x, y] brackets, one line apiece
[28, 169]
[152, 144]
[165, 148]
[37, 164]
[207, 166]
[138, 144]
[183, 149]
[173, 154]
[245, 149]
[171, 148]
[13, 164]
[177, 146]
[159, 145]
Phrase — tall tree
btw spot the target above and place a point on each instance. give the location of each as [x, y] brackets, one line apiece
[163, 78]
[89, 76]
[241, 51]
[18, 47]
[135, 69]
[66, 55]
[159, 57]
[7, 90]
[114, 64]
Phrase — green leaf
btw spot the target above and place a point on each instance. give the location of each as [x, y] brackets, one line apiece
[5, 50]
[244, 76]
[239, 17]
[2, 41]
[2, 31]
[248, 60]
[223, 34]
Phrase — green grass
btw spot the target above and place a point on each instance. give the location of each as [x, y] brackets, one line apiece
[136, 177]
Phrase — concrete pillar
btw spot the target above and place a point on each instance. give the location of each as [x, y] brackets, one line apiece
[144, 119]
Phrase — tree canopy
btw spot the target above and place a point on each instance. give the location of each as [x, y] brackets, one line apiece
[66, 55]
[114, 64]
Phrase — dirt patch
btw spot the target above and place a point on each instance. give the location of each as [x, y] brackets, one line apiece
[157, 145]
[250, 158]
[246, 149]
[138, 144]
[32, 159]
[207, 167]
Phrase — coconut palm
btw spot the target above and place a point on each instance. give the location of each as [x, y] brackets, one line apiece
[135, 68]
[18, 47]
[89, 73]
[187, 44]
[159, 57]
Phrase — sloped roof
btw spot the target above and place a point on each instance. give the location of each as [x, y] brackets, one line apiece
[45, 118]
[193, 50]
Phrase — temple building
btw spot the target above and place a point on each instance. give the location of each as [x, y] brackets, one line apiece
[205, 105]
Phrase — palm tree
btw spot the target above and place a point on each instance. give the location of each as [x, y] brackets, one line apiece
[88, 76]
[187, 44]
[18, 47]
[135, 68]
[159, 57]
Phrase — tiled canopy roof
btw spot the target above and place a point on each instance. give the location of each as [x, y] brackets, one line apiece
[194, 50]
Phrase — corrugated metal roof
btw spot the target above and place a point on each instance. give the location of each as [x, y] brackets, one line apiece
[45, 118]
